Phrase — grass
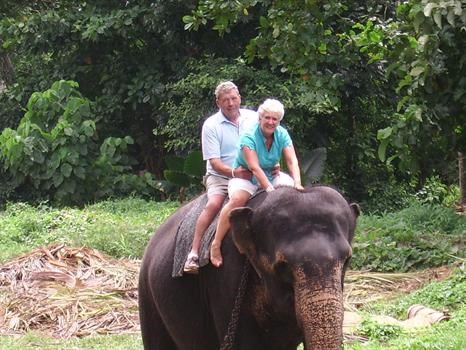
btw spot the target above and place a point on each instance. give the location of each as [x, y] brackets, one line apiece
[36, 341]
[120, 228]
[417, 237]
[448, 296]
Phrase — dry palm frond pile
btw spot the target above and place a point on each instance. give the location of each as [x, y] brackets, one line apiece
[364, 287]
[68, 292]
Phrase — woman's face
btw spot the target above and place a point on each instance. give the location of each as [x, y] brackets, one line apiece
[268, 122]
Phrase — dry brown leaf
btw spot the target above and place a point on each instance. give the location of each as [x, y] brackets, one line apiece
[67, 292]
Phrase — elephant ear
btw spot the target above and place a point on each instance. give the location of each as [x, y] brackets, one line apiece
[356, 210]
[240, 221]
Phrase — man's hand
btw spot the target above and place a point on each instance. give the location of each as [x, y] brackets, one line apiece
[243, 173]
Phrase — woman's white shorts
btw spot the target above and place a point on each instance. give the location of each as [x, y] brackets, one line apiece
[236, 184]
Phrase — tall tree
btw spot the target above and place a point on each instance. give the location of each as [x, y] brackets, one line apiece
[425, 49]
[122, 54]
[419, 43]
[348, 98]
[7, 72]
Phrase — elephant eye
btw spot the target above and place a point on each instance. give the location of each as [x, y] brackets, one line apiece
[283, 272]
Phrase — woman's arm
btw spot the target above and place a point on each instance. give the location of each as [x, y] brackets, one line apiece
[253, 163]
[292, 163]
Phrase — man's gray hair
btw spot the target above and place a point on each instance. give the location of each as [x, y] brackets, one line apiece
[271, 105]
[225, 86]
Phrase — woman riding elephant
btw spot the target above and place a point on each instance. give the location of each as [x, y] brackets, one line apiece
[298, 244]
[259, 151]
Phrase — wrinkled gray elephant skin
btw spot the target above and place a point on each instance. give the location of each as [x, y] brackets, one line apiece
[299, 245]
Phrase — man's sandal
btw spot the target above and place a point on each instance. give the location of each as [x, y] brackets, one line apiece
[192, 264]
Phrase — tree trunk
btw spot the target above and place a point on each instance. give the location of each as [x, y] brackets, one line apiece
[7, 73]
[462, 180]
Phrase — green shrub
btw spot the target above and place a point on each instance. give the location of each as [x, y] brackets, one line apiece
[377, 331]
[416, 237]
[436, 192]
[385, 196]
[57, 152]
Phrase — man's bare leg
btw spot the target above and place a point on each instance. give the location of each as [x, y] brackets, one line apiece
[213, 206]
[214, 203]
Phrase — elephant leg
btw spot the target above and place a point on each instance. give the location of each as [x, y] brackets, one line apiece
[154, 332]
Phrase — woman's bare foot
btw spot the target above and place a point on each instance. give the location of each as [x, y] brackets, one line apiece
[216, 255]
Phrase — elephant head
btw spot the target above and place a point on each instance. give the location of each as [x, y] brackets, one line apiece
[300, 245]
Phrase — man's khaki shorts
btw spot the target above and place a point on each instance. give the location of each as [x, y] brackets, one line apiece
[216, 185]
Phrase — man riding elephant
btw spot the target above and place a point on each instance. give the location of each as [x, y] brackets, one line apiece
[298, 245]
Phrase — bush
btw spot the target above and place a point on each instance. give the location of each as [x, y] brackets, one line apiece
[386, 196]
[377, 331]
[436, 192]
[416, 237]
[56, 150]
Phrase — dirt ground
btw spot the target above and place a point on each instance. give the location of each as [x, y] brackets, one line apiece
[66, 292]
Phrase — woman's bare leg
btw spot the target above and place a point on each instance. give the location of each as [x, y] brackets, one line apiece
[238, 199]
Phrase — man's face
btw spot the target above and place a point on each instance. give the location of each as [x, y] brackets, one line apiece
[229, 102]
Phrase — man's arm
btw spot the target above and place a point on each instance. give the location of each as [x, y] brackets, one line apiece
[228, 171]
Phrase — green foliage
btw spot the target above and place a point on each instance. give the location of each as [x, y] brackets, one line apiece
[424, 49]
[122, 54]
[436, 192]
[56, 150]
[305, 39]
[313, 164]
[6, 187]
[185, 173]
[328, 62]
[416, 237]
[386, 196]
[377, 331]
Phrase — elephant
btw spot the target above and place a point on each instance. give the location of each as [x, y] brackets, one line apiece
[281, 282]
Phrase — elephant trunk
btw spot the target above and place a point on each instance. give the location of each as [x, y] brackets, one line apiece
[319, 311]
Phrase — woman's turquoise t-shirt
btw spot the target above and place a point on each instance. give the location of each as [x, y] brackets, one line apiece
[255, 140]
